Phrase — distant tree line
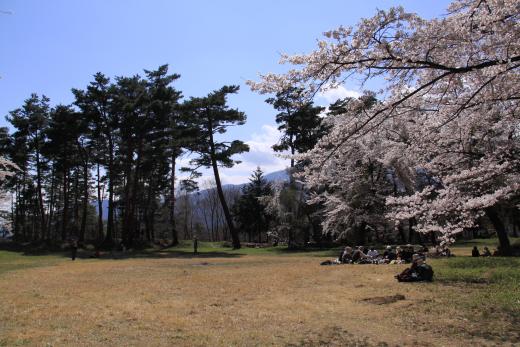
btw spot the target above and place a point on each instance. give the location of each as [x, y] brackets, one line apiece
[118, 141]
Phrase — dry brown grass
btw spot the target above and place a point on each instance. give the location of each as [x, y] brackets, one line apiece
[246, 301]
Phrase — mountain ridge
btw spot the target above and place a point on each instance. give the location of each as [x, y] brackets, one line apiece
[275, 176]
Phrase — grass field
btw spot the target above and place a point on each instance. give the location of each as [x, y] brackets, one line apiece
[254, 297]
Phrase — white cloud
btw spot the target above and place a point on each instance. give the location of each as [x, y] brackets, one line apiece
[260, 154]
[340, 92]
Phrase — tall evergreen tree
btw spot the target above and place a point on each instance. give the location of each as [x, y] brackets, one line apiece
[249, 211]
[170, 129]
[135, 124]
[299, 121]
[62, 148]
[31, 122]
[95, 104]
[211, 116]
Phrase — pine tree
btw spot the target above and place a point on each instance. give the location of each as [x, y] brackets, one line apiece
[298, 119]
[31, 122]
[249, 211]
[211, 116]
[62, 148]
[95, 105]
[170, 134]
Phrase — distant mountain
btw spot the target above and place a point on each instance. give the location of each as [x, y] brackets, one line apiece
[276, 176]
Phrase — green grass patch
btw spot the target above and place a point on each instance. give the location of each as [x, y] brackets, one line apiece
[478, 270]
[10, 261]
[494, 283]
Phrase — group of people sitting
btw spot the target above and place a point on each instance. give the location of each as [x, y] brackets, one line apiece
[418, 271]
[399, 255]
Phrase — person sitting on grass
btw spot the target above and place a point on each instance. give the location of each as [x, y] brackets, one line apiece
[389, 254]
[399, 259]
[346, 256]
[359, 256]
[475, 252]
[419, 271]
[407, 253]
[486, 252]
[373, 253]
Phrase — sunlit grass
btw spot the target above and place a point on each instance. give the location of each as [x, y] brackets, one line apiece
[10, 261]
[251, 296]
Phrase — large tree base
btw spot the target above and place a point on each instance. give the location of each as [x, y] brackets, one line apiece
[503, 238]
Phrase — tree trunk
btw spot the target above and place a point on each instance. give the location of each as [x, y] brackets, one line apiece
[433, 238]
[127, 200]
[149, 210]
[109, 237]
[186, 235]
[132, 227]
[65, 206]
[515, 224]
[100, 206]
[175, 238]
[76, 202]
[503, 238]
[229, 220]
[43, 223]
[411, 233]
[152, 225]
[51, 206]
[401, 233]
[85, 203]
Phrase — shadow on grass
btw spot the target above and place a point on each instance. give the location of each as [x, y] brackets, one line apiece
[155, 254]
[167, 254]
[184, 251]
[30, 250]
[140, 254]
[311, 252]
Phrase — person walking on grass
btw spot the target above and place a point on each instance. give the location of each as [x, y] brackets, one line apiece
[195, 245]
[74, 248]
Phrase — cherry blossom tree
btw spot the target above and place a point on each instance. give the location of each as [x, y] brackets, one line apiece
[451, 96]
[7, 169]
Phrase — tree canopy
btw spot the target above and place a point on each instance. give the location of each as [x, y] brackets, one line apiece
[450, 107]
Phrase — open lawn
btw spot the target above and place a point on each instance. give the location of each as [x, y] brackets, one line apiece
[253, 297]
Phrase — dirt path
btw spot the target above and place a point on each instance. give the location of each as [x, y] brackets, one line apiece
[248, 301]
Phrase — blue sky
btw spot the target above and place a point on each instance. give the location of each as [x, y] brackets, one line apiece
[48, 47]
